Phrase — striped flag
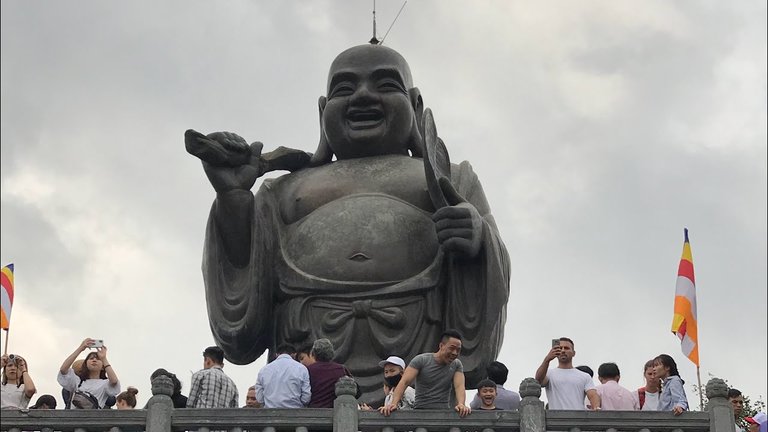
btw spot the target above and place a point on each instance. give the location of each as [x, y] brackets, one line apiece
[684, 321]
[6, 296]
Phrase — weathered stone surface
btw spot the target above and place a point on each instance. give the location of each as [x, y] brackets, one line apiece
[379, 250]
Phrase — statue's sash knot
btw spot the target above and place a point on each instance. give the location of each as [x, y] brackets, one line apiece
[390, 316]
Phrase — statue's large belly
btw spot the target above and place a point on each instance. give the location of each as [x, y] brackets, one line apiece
[363, 237]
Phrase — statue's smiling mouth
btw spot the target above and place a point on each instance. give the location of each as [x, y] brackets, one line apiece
[364, 119]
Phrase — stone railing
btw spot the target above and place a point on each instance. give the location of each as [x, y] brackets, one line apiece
[345, 417]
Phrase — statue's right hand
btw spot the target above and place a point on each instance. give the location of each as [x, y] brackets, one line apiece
[229, 162]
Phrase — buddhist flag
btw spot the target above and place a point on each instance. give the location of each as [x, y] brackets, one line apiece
[6, 296]
[684, 321]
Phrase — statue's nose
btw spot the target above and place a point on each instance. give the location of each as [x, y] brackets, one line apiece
[363, 94]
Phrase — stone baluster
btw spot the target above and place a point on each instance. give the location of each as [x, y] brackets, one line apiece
[345, 406]
[160, 405]
[720, 410]
[532, 415]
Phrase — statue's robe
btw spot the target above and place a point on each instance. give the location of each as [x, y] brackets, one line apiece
[274, 300]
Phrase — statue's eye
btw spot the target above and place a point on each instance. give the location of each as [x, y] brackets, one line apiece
[342, 89]
[390, 85]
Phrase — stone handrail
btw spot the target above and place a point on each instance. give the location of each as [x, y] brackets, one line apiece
[345, 417]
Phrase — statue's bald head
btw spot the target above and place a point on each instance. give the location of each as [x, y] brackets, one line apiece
[370, 108]
[371, 56]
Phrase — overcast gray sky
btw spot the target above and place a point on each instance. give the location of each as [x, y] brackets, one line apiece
[600, 129]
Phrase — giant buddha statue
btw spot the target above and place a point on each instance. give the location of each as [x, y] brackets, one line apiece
[375, 241]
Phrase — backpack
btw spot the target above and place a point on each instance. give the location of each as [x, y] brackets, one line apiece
[84, 400]
[641, 396]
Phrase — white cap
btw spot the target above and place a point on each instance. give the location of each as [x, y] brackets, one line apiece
[397, 361]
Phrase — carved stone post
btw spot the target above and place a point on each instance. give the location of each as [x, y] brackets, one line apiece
[345, 406]
[160, 405]
[532, 415]
[720, 410]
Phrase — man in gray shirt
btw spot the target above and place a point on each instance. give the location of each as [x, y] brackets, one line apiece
[435, 375]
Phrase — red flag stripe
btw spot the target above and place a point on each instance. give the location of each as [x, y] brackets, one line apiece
[686, 269]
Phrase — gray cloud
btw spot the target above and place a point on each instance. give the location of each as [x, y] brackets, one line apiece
[599, 129]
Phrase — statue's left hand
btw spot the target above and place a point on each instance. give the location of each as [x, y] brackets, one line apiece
[459, 226]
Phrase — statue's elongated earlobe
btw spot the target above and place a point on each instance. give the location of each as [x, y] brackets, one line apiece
[416, 141]
[323, 154]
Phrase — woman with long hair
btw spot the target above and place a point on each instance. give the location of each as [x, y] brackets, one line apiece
[17, 386]
[96, 376]
[672, 396]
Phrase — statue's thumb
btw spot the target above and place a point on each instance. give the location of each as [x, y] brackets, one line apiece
[453, 197]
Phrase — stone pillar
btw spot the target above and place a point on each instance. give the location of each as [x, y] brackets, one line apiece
[345, 406]
[160, 405]
[720, 410]
[532, 415]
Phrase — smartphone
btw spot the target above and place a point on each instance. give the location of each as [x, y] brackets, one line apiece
[97, 343]
[555, 343]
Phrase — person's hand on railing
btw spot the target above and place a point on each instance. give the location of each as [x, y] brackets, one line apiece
[387, 409]
[463, 410]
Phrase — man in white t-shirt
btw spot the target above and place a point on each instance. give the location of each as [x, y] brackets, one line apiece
[566, 385]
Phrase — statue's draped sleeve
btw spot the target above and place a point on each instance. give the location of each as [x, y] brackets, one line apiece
[240, 299]
[477, 289]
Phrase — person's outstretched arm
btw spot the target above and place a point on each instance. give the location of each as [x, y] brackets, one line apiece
[541, 372]
[67, 364]
[409, 375]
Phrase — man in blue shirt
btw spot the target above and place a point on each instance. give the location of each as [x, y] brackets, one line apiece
[283, 383]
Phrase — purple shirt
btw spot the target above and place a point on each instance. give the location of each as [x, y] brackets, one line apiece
[322, 379]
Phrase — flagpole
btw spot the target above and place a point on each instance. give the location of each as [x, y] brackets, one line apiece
[5, 350]
[701, 390]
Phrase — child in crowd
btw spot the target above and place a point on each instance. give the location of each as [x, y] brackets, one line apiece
[45, 401]
[486, 390]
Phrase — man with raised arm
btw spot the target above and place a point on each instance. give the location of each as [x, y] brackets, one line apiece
[566, 385]
[375, 242]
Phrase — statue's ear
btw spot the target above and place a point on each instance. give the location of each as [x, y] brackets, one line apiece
[323, 154]
[416, 142]
[418, 107]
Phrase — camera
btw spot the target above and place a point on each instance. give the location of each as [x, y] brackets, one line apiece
[97, 343]
[12, 358]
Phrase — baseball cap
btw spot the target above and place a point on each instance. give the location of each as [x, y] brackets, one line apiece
[394, 360]
[759, 419]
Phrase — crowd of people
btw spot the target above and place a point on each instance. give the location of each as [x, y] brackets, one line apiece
[306, 377]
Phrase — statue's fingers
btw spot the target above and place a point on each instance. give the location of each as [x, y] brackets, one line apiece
[256, 147]
[461, 233]
[458, 244]
[451, 213]
[447, 223]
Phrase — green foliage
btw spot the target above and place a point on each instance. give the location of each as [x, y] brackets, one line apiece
[750, 407]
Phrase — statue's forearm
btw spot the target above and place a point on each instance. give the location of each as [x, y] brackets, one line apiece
[233, 212]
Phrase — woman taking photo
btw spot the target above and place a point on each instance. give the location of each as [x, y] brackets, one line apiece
[95, 380]
[672, 396]
[17, 386]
